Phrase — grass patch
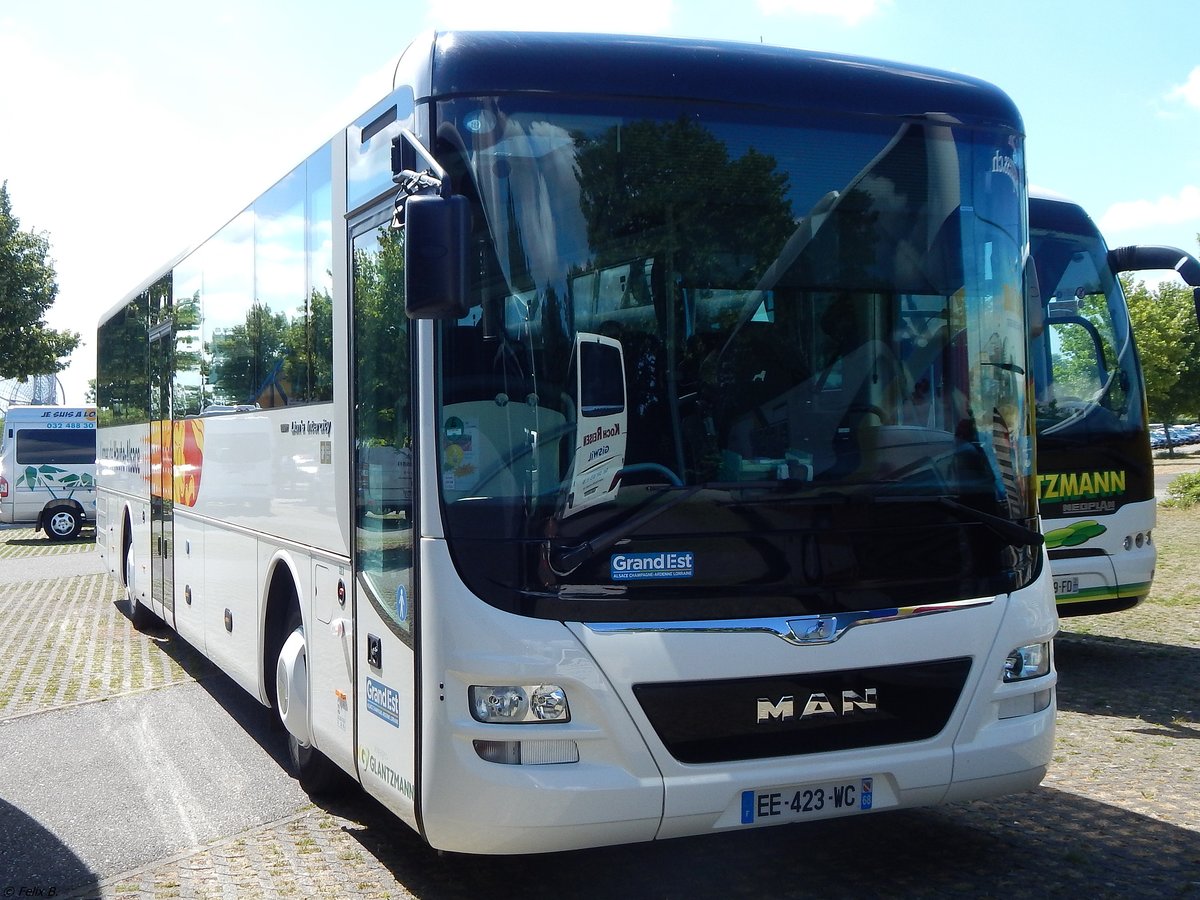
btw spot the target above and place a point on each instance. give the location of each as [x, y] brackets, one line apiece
[1183, 492]
[1177, 573]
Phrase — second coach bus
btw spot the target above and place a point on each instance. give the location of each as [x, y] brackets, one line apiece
[1095, 470]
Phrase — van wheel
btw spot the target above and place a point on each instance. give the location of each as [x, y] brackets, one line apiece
[315, 771]
[62, 524]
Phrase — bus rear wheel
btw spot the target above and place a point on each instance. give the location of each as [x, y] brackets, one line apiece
[139, 616]
[316, 773]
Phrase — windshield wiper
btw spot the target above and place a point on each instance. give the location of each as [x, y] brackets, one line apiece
[1013, 532]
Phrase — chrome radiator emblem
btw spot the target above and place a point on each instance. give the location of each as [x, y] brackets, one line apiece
[813, 630]
[818, 704]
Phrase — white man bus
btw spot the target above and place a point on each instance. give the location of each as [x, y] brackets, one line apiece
[707, 364]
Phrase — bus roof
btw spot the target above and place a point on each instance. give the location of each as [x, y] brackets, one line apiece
[1056, 212]
[466, 63]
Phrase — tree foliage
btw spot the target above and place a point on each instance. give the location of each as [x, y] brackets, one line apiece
[1086, 353]
[1164, 325]
[671, 190]
[28, 287]
[381, 361]
[271, 357]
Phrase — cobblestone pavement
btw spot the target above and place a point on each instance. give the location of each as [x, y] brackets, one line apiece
[66, 640]
[1116, 817]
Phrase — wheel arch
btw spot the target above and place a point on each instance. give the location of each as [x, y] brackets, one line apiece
[126, 543]
[282, 594]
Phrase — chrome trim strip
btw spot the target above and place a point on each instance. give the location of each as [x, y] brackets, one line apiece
[803, 631]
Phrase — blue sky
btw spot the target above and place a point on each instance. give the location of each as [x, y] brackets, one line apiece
[130, 130]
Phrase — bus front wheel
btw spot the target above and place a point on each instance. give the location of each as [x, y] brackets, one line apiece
[316, 773]
[139, 615]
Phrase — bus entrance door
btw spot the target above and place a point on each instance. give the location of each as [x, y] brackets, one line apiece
[162, 475]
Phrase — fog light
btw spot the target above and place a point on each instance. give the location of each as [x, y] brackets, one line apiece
[1023, 705]
[514, 703]
[1030, 661]
[1128, 543]
[506, 753]
[527, 753]
[1139, 540]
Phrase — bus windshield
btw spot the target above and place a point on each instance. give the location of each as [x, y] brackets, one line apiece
[719, 348]
[1086, 371]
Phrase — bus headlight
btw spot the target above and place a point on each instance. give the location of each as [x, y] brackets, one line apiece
[1030, 661]
[548, 702]
[512, 703]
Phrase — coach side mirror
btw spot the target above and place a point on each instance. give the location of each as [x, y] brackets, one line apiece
[435, 256]
[435, 223]
[1035, 311]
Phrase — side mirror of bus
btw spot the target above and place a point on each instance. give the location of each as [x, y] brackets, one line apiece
[1035, 311]
[435, 256]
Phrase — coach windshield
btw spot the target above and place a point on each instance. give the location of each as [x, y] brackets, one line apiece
[730, 362]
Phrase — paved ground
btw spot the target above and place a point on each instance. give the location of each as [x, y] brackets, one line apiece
[1117, 816]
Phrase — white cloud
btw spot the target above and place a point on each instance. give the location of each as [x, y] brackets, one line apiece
[1165, 211]
[97, 159]
[1189, 91]
[123, 172]
[850, 12]
[73, 155]
[617, 16]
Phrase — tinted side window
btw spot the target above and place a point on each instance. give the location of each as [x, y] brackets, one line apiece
[57, 447]
[122, 376]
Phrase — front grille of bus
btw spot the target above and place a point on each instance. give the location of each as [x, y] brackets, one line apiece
[790, 715]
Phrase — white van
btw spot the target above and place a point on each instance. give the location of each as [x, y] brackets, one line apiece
[48, 468]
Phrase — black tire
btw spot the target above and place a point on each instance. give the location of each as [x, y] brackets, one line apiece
[62, 523]
[317, 774]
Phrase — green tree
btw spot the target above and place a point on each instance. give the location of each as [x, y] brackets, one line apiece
[308, 368]
[671, 190]
[28, 287]
[247, 357]
[381, 363]
[1086, 353]
[1164, 326]
[123, 365]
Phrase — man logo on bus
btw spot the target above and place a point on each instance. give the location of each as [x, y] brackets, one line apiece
[818, 704]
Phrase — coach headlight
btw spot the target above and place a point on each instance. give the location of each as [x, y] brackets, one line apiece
[510, 703]
[1030, 661]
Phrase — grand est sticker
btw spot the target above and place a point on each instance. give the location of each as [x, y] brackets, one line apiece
[652, 566]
